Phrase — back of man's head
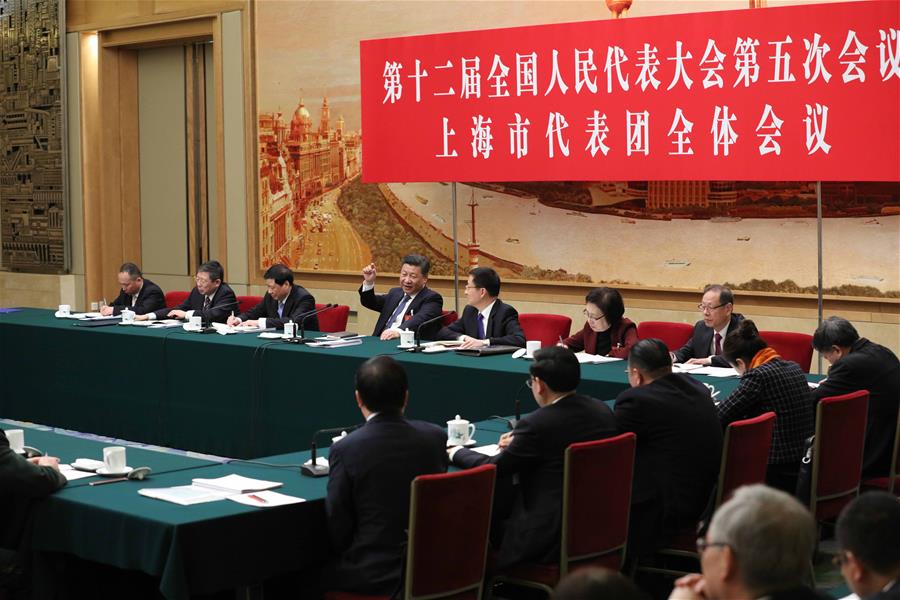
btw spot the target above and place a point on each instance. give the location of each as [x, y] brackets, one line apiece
[770, 534]
[558, 368]
[487, 278]
[382, 385]
[651, 357]
[834, 331]
[869, 527]
[594, 583]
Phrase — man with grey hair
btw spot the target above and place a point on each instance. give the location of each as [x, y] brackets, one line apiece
[705, 346]
[759, 544]
[858, 364]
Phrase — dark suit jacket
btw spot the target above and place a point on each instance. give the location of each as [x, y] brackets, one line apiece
[368, 498]
[797, 593]
[298, 302]
[869, 366]
[701, 341]
[427, 305]
[679, 445]
[892, 594]
[149, 299]
[622, 336]
[224, 302]
[502, 328]
[536, 455]
[20, 482]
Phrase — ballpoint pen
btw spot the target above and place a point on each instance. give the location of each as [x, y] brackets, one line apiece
[258, 498]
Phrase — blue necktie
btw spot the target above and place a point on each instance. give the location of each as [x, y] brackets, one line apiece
[396, 312]
[480, 326]
[280, 308]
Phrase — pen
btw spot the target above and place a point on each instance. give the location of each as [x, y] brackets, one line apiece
[258, 498]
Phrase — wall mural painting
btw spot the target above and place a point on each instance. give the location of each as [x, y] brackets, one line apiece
[315, 213]
[32, 209]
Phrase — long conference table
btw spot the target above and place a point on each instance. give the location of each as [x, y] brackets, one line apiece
[238, 395]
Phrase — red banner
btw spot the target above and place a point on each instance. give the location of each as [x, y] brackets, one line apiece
[795, 93]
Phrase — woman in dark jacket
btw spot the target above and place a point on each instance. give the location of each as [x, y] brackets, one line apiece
[607, 332]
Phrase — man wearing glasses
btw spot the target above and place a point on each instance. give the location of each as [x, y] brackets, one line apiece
[759, 545]
[211, 298]
[486, 320]
[705, 345]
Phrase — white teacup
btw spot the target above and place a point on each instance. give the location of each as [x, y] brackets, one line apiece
[95, 306]
[407, 338]
[196, 322]
[128, 316]
[261, 322]
[290, 329]
[65, 310]
[114, 458]
[459, 431]
[531, 347]
[16, 439]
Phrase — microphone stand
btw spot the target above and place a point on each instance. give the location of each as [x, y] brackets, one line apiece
[518, 407]
[303, 339]
[206, 325]
[417, 346]
[312, 468]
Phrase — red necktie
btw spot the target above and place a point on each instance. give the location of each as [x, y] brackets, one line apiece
[718, 338]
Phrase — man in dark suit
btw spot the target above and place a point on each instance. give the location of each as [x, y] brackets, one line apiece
[21, 481]
[719, 318]
[858, 364]
[868, 534]
[212, 298]
[759, 545]
[369, 483]
[284, 302]
[138, 294]
[404, 307]
[486, 320]
[679, 445]
[535, 452]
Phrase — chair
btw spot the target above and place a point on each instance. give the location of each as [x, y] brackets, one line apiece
[891, 483]
[441, 562]
[837, 453]
[450, 317]
[673, 335]
[245, 303]
[596, 503]
[791, 346]
[549, 329]
[745, 458]
[175, 298]
[334, 319]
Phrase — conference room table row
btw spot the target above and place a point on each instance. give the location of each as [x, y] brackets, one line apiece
[239, 395]
[190, 550]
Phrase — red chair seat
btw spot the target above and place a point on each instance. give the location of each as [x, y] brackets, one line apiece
[245, 303]
[549, 329]
[449, 317]
[796, 347]
[673, 335]
[175, 298]
[334, 319]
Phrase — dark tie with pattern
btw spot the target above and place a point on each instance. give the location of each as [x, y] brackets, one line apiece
[206, 302]
[396, 312]
[718, 338]
[281, 309]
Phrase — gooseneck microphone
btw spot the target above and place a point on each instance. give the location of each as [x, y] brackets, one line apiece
[417, 346]
[303, 318]
[312, 467]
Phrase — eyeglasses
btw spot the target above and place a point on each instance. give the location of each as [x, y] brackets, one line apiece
[707, 307]
[702, 545]
[529, 382]
[591, 317]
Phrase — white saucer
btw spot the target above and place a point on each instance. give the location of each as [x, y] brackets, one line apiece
[468, 444]
[20, 452]
[104, 472]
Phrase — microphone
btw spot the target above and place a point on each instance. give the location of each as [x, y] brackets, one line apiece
[518, 404]
[417, 346]
[302, 339]
[206, 325]
[312, 468]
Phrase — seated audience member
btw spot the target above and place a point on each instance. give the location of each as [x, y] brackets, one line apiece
[868, 535]
[283, 302]
[594, 583]
[607, 332]
[22, 480]
[705, 345]
[138, 294]
[759, 545]
[367, 503]
[858, 364]
[212, 298]
[404, 307]
[535, 452]
[769, 383]
[679, 446]
[486, 320]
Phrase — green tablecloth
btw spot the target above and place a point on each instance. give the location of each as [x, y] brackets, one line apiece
[238, 395]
